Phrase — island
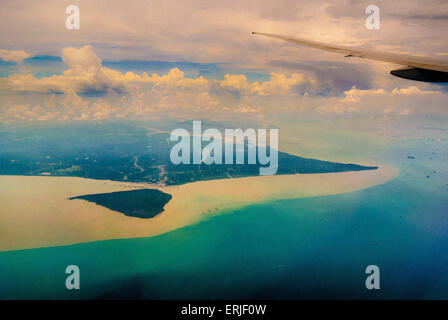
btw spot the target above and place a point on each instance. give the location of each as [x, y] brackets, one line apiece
[142, 203]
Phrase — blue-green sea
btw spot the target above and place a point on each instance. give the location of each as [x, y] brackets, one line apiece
[290, 249]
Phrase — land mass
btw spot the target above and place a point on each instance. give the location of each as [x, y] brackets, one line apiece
[143, 203]
[131, 152]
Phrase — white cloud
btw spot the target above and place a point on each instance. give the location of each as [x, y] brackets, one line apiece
[173, 95]
[398, 101]
[131, 95]
[16, 56]
[278, 84]
[86, 74]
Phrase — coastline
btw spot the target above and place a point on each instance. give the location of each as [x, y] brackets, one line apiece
[35, 210]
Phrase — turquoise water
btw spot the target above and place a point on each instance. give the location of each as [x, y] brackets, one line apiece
[301, 248]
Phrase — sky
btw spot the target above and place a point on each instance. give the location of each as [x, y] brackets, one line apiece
[198, 59]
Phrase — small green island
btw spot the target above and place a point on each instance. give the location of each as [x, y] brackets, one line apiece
[142, 203]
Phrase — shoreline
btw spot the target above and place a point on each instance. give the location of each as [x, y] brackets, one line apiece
[37, 213]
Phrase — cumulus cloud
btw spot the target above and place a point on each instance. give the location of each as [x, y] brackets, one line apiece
[128, 95]
[131, 95]
[16, 56]
[398, 101]
[238, 82]
[156, 102]
[86, 74]
[278, 84]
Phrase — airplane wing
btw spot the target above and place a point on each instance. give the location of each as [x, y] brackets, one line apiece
[417, 68]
